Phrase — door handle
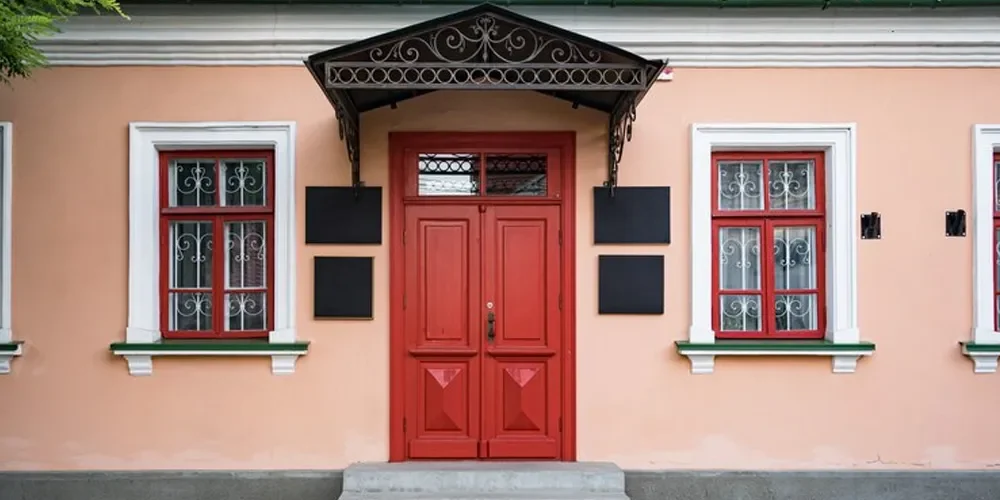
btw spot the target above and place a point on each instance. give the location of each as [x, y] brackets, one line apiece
[490, 326]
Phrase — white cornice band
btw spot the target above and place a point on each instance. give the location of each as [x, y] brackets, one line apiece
[285, 35]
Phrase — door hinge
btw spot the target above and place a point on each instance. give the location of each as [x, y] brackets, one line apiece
[560, 301]
[404, 426]
[404, 301]
[404, 237]
[560, 424]
[560, 237]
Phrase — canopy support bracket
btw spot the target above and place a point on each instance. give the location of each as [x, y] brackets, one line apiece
[348, 125]
[619, 132]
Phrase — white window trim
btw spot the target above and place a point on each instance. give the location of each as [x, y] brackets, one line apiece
[146, 140]
[839, 143]
[6, 243]
[986, 140]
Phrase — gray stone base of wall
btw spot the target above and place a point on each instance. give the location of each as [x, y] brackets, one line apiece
[171, 485]
[640, 485]
[826, 485]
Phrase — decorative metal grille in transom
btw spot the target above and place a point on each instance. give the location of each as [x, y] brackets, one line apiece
[462, 174]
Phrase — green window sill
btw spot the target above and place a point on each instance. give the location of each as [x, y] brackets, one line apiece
[8, 351]
[844, 356]
[221, 347]
[11, 348]
[974, 348]
[140, 356]
[984, 356]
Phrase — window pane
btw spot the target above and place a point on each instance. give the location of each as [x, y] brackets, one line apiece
[517, 174]
[796, 312]
[996, 186]
[740, 185]
[246, 311]
[191, 254]
[740, 313]
[246, 262]
[448, 174]
[245, 182]
[996, 257]
[192, 183]
[190, 311]
[739, 258]
[792, 185]
[794, 258]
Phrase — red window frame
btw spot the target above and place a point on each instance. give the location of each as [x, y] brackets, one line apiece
[218, 216]
[766, 220]
[996, 241]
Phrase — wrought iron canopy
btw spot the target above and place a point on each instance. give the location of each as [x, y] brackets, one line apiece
[483, 48]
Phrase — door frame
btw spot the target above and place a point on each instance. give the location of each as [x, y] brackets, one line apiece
[399, 143]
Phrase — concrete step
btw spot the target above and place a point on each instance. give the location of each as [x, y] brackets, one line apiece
[540, 495]
[484, 481]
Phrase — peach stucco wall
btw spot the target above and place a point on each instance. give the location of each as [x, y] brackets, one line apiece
[70, 405]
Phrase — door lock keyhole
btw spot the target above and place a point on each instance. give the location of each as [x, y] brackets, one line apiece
[490, 326]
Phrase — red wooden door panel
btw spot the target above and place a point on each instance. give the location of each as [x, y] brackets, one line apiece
[456, 260]
[442, 307]
[522, 382]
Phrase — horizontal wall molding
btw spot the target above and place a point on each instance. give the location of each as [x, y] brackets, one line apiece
[286, 34]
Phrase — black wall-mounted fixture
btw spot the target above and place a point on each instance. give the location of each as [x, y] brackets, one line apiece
[871, 226]
[954, 223]
[636, 214]
[342, 287]
[341, 215]
[630, 284]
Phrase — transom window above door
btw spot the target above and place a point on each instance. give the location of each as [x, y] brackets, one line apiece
[477, 174]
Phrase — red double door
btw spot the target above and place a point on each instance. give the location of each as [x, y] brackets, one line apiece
[482, 332]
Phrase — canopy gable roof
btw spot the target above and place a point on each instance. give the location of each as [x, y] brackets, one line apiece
[486, 47]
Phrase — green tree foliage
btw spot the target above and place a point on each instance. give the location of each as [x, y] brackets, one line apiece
[23, 22]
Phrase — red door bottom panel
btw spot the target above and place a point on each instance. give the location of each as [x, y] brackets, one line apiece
[443, 449]
[524, 422]
[445, 428]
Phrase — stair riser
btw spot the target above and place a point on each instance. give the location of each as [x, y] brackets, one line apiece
[484, 482]
[536, 496]
[468, 480]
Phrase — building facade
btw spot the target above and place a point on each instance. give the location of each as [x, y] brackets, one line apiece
[273, 238]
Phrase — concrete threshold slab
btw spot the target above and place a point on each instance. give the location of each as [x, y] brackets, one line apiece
[484, 480]
[537, 495]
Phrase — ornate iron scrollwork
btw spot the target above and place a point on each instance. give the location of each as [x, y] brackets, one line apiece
[348, 128]
[485, 52]
[488, 40]
[619, 132]
[471, 76]
[489, 49]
